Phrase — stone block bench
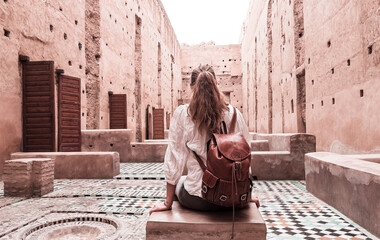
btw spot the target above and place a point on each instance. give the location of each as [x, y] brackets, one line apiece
[29, 177]
[350, 185]
[185, 224]
[285, 160]
[79, 165]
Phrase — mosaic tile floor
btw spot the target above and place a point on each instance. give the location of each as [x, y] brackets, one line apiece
[289, 210]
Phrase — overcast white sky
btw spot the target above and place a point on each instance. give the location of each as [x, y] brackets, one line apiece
[196, 21]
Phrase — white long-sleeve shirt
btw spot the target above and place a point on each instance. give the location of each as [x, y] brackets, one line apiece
[184, 137]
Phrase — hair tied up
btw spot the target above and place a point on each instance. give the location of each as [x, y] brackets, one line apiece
[207, 104]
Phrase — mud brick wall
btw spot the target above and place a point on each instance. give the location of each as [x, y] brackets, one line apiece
[138, 55]
[45, 31]
[120, 47]
[343, 74]
[313, 66]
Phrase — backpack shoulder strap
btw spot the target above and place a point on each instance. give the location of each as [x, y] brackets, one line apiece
[233, 122]
[203, 166]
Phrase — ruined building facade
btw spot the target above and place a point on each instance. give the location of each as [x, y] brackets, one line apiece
[302, 66]
[124, 53]
[313, 66]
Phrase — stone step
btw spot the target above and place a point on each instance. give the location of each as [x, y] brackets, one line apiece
[259, 145]
[253, 135]
[185, 224]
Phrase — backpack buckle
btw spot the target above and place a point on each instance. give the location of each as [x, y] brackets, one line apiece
[204, 189]
[223, 198]
[243, 197]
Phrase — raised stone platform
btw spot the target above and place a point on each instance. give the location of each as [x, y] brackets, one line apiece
[285, 160]
[181, 223]
[29, 177]
[79, 165]
[350, 185]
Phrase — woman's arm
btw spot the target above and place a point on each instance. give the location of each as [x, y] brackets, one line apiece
[167, 205]
[175, 157]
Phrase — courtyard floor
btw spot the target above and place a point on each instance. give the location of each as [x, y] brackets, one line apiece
[119, 207]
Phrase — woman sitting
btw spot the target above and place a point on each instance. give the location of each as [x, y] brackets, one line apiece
[190, 129]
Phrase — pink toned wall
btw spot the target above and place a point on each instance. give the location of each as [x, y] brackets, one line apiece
[268, 48]
[36, 29]
[225, 60]
[316, 65]
[350, 123]
[106, 30]
[119, 68]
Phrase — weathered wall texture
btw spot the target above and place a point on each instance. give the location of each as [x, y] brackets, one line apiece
[343, 76]
[42, 30]
[131, 33]
[226, 62]
[270, 42]
[313, 66]
[113, 46]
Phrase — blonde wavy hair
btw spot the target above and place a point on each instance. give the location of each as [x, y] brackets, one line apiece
[207, 103]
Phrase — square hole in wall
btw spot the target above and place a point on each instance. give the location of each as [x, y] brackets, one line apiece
[370, 49]
[329, 43]
[361, 93]
[7, 33]
[348, 62]
[333, 101]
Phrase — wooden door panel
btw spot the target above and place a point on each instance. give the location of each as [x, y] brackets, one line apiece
[118, 111]
[38, 106]
[69, 130]
[158, 124]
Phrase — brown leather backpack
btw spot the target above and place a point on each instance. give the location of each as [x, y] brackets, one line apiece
[226, 179]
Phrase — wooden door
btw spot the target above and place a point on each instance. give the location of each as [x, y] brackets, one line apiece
[38, 106]
[158, 124]
[118, 111]
[69, 107]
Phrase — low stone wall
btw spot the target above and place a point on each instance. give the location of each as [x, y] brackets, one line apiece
[119, 140]
[108, 140]
[259, 145]
[148, 151]
[349, 184]
[79, 165]
[285, 160]
[32, 177]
